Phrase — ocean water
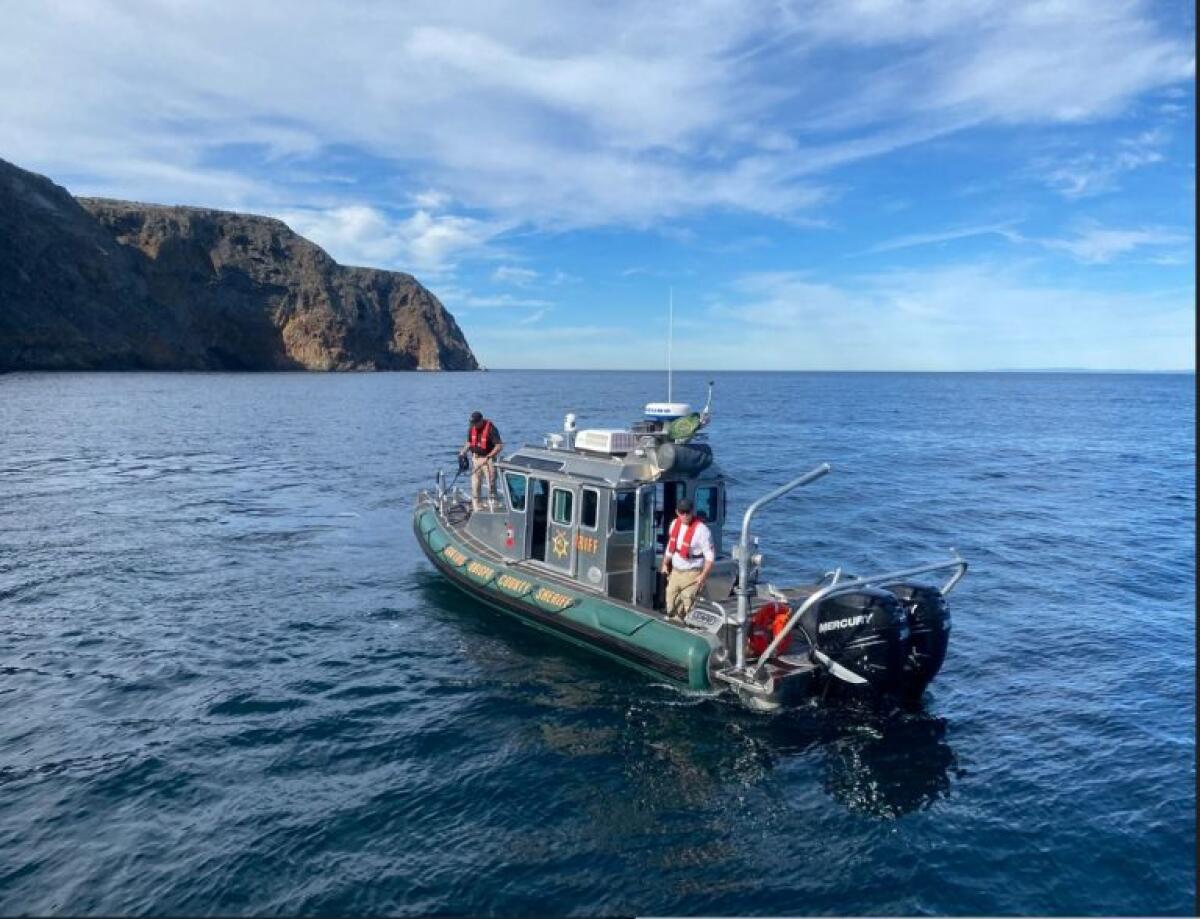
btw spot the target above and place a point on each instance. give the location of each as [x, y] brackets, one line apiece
[231, 684]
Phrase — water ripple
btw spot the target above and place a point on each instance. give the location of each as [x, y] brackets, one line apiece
[232, 685]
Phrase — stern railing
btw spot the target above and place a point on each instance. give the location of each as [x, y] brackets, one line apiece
[745, 589]
[851, 585]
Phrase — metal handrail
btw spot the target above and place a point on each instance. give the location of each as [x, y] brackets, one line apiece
[744, 589]
[851, 585]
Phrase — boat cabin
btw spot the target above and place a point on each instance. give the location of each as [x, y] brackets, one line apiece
[596, 507]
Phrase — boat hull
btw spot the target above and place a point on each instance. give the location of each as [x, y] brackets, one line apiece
[613, 630]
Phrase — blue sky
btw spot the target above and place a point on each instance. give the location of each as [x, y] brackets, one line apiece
[831, 184]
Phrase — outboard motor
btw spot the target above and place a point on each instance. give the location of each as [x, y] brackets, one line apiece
[929, 622]
[861, 639]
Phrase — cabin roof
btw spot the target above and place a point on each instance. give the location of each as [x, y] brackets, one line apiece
[585, 466]
[606, 470]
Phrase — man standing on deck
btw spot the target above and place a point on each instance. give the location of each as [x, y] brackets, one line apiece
[484, 445]
[687, 561]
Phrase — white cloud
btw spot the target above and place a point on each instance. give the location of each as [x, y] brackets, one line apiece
[969, 316]
[784, 299]
[432, 240]
[949, 235]
[527, 277]
[616, 92]
[1090, 243]
[958, 316]
[1094, 172]
[511, 274]
[534, 317]
[506, 301]
[619, 113]
[431, 200]
[362, 235]
[460, 298]
[565, 346]
[995, 61]
[1096, 244]
[161, 181]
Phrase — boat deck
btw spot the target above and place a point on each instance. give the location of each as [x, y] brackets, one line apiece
[795, 662]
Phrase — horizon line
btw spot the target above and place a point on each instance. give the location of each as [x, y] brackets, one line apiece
[1061, 370]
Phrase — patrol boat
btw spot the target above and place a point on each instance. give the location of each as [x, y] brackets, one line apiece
[572, 544]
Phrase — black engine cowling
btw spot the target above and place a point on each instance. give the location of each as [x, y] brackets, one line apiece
[866, 633]
[929, 623]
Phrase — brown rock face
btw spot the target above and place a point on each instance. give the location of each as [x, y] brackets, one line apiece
[99, 284]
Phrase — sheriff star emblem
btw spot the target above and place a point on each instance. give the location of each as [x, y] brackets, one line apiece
[561, 546]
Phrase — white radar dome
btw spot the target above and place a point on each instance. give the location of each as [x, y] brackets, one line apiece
[667, 411]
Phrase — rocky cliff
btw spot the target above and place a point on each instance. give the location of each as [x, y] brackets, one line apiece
[94, 284]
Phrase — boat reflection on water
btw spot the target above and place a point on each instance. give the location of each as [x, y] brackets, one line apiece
[679, 750]
[880, 764]
[899, 764]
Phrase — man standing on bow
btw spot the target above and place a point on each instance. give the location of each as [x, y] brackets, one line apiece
[484, 445]
[687, 561]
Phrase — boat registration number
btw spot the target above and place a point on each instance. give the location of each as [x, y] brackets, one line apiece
[703, 619]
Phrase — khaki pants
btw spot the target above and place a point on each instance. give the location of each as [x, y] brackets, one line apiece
[482, 466]
[682, 588]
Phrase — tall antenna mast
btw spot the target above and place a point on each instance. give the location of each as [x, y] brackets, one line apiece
[670, 335]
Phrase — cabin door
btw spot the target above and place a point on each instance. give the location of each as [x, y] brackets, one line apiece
[560, 533]
[645, 574]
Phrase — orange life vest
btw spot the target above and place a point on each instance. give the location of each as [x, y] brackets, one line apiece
[480, 439]
[766, 623]
[684, 548]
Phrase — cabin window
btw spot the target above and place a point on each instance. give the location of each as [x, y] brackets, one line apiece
[516, 490]
[562, 507]
[646, 536]
[708, 502]
[626, 511]
[668, 495]
[589, 509]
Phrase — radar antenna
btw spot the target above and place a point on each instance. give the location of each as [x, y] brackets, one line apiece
[670, 334]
